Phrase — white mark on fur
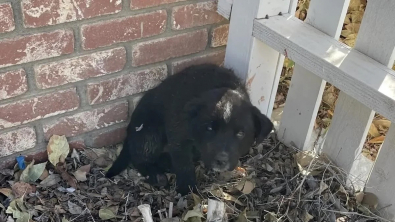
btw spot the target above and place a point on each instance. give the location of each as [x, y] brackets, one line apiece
[225, 109]
[139, 128]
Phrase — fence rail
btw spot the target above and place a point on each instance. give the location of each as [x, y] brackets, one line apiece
[262, 32]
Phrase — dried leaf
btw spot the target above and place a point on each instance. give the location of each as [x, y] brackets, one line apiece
[382, 122]
[196, 199]
[242, 217]
[373, 131]
[17, 208]
[32, 172]
[359, 197]
[20, 189]
[271, 217]
[6, 191]
[370, 200]
[329, 96]
[245, 186]
[51, 180]
[377, 140]
[106, 214]
[74, 208]
[60, 168]
[57, 149]
[220, 194]
[194, 215]
[307, 217]
[80, 174]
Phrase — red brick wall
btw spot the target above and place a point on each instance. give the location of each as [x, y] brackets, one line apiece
[77, 68]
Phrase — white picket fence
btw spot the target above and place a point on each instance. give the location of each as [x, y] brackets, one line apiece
[262, 32]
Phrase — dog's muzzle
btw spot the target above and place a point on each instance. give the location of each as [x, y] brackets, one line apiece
[221, 162]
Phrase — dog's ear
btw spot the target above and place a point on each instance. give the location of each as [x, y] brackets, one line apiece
[263, 125]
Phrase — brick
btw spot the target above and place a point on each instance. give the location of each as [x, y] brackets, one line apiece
[12, 83]
[7, 23]
[216, 58]
[139, 4]
[77, 144]
[87, 121]
[17, 141]
[125, 85]
[219, 36]
[36, 47]
[80, 68]
[28, 110]
[170, 47]
[123, 30]
[202, 13]
[108, 138]
[37, 13]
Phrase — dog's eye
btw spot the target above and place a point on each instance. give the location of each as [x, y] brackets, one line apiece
[209, 128]
[240, 134]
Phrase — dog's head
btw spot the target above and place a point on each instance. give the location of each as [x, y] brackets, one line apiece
[224, 125]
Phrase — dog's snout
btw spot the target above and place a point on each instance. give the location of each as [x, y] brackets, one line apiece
[222, 159]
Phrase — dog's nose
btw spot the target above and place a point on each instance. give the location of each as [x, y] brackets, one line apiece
[222, 159]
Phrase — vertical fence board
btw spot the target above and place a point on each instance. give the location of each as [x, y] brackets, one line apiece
[258, 65]
[382, 179]
[352, 119]
[305, 94]
[225, 8]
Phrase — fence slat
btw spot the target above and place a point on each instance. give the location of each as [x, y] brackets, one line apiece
[352, 119]
[225, 8]
[305, 94]
[255, 63]
[382, 179]
[380, 15]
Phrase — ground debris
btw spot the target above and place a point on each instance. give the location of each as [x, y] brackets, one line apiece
[272, 183]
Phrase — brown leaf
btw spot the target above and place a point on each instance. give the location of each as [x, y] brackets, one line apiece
[373, 131]
[377, 140]
[71, 181]
[370, 200]
[382, 122]
[21, 188]
[6, 191]
[80, 174]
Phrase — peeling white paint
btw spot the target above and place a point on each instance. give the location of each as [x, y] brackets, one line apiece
[17, 141]
[141, 29]
[99, 94]
[75, 69]
[39, 48]
[35, 12]
[6, 124]
[129, 84]
[88, 120]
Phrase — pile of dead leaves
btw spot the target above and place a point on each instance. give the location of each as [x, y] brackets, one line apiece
[273, 183]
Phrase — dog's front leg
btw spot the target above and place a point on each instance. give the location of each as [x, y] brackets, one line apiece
[183, 167]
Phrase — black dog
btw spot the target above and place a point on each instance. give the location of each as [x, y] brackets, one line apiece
[202, 113]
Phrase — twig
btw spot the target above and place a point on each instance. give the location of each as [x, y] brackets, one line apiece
[356, 214]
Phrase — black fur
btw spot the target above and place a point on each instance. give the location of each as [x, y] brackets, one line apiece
[202, 113]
